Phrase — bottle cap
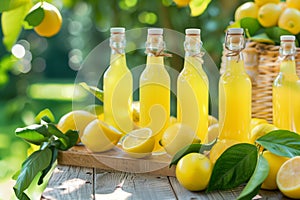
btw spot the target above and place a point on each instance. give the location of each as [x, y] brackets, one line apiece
[235, 31]
[192, 31]
[155, 31]
[117, 30]
[287, 37]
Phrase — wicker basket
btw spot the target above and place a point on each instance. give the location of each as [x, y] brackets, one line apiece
[262, 66]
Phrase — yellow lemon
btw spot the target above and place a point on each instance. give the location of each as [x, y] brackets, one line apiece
[260, 130]
[75, 120]
[193, 171]
[275, 163]
[213, 132]
[288, 178]
[268, 14]
[51, 24]
[263, 2]
[219, 148]
[256, 121]
[172, 121]
[176, 137]
[212, 120]
[248, 9]
[99, 136]
[138, 143]
[290, 20]
[182, 3]
[293, 4]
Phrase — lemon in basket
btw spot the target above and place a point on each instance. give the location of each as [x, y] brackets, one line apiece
[261, 130]
[256, 121]
[263, 2]
[268, 14]
[99, 136]
[248, 9]
[290, 20]
[138, 143]
[288, 178]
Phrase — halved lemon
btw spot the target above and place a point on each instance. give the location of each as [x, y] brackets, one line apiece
[138, 143]
[288, 178]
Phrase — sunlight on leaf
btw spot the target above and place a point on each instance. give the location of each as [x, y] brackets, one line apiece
[6, 5]
[198, 7]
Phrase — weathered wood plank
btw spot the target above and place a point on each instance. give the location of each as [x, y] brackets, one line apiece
[116, 159]
[70, 183]
[119, 185]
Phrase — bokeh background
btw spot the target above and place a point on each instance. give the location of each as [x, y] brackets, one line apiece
[44, 76]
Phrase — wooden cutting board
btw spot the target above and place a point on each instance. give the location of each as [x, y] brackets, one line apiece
[118, 160]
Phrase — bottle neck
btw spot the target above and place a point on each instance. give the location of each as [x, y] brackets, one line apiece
[288, 67]
[155, 45]
[117, 43]
[287, 53]
[235, 64]
[192, 45]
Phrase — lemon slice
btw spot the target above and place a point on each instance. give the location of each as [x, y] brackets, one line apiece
[138, 143]
[288, 178]
[99, 136]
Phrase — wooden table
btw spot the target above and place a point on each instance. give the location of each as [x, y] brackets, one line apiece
[77, 182]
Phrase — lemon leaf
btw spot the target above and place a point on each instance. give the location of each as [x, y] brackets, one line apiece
[236, 24]
[260, 174]
[281, 142]
[275, 32]
[53, 159]
[250, 24]
[34, 18]
[35, 134]
[262, 38]
[45, 115]
[234, 167]
[93, 90]
[198, 7]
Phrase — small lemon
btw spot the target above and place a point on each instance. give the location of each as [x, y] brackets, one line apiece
[99, 136]
[261, 130]
[51, 24]
[176, 137]
[193, 171]
[248, 9]
[293, 4]
[172, 121]
[182, 3]
[290, 20]
[212, 120]
[268, 14]
[219, 148]
[256, 121]
[288, 178]
[213, 132]
[139, 143]
[75, 120]
[263, 2]
[275, 163]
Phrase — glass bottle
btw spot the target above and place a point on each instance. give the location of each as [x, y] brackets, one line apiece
[117, 85]
[155, 87]
[286, 88]
[235, 91]
[192, 87]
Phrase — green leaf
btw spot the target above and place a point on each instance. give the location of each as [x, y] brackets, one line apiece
[46, 112]
[192, 148]
[234, 167]
[260, 174]
[262, 38]
[70, 142]
[35, 17]
[250, 24]
[236, 24]
[6, 5]
[93, 90]
[53, 159]
[36, 162]
[35, 134]
[12, 21]
[281, 142]
[198, 6]
[275, 32]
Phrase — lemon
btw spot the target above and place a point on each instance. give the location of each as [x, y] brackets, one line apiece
[275, 163]
[260, 130]
[212, 120]
[172, 121]
[182, 3]
[99, 136]
[213, 132]
[290, 20]
[263, 2]
[268, 14]
[293, 4]
[219, 148]
[248, 9]
[139, 143]
[288, 178]
[193, 171]
[256, 121]
[51, 24]
[176, 137]
[282, 5]
[75, 120]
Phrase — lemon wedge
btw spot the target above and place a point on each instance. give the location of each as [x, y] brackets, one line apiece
[138, 143]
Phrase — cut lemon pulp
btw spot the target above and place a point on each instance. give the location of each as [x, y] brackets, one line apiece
[288, 178]
[138, 143]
